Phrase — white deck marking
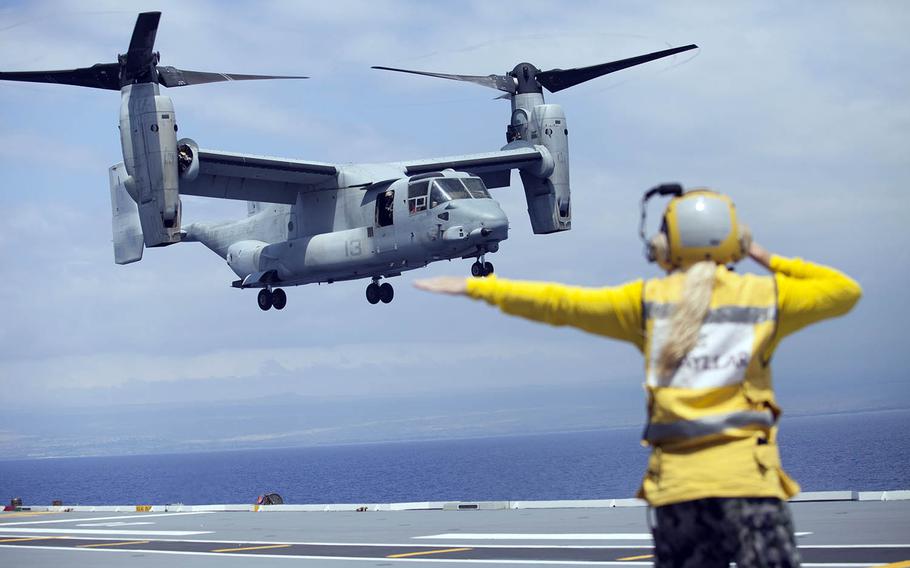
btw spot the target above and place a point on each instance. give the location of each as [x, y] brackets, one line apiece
[67, 531]
[539, 536]
[117, 524]
[391, 560]
[366, 559]
[83, 519]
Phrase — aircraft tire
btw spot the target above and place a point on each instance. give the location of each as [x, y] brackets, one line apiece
[487, 268]
[264, 299]
[373, 295]
[279, 299]
[386, 293]
[477, 270]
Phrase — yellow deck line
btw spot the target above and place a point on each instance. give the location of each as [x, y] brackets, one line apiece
[26, 514]
[425, 552]
[23, 539]
[252, 548]
[903, 564]
[111, 544]
[642, 557]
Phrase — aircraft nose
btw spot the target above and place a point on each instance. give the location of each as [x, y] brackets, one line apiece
[492, 223]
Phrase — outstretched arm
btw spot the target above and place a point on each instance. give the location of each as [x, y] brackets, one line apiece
[611, 312]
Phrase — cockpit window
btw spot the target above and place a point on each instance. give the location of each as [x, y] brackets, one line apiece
[476, 188]
[447, 189]
[417, 189]
[417, 196]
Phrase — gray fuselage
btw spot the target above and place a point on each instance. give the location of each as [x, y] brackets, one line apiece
[379, 230]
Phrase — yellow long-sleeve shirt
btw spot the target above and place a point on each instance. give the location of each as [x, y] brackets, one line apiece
[806, 293]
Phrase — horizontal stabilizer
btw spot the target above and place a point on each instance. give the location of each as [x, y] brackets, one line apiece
[125, 224]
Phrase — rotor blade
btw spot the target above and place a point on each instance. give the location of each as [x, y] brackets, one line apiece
[173, 77]
[98, 76]
[499, 82]
[144, 33]
[558, 79]
[138, 60]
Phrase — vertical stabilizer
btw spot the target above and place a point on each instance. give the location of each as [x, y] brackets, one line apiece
[125, 224]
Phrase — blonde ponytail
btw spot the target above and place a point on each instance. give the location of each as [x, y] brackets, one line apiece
[687, 317]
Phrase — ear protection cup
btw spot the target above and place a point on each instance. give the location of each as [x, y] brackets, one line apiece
[659, 251]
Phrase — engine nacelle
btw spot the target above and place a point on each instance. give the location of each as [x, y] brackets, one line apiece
[148, 137]
[243, 257]
[549, 197]
[187, 159]
[546, 184]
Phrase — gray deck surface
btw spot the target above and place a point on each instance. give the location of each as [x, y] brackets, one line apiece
[533, 537]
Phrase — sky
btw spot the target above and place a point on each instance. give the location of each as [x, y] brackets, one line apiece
[800, 112]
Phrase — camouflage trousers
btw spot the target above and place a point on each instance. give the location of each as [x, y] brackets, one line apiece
[708, 533]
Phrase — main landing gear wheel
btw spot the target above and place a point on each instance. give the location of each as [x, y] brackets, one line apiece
[373, 293]
[279, 299]
[386, 292]
[377, 292]
[264, 299]
[480, 269]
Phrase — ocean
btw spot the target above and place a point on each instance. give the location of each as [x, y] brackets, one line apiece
[858, 451]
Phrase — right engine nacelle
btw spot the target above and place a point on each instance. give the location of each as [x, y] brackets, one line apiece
[549, 205]
[243, 257]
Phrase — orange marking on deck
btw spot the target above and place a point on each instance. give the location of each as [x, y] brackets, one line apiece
[425, 552]
[252, 548]
[26, 538]
[100, 544]
[642, 557]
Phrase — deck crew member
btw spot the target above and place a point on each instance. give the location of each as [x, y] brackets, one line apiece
[707, 335]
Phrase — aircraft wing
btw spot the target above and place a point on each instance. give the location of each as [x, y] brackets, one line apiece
[493, 167]
[228, 175]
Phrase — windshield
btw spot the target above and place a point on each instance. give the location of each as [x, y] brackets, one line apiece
[476, 187]
[447, 189]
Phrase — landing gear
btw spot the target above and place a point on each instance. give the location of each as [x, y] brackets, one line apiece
[380, 292]
[279, 299]
[481, 268]
[264, 299]
[268, 299]
[386, 293]
[373, 293]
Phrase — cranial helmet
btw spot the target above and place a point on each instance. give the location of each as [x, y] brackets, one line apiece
[699, 224]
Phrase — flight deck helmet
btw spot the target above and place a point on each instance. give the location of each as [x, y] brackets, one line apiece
[699, 224]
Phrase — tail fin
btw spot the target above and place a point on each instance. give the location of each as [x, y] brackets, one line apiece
[125, 224]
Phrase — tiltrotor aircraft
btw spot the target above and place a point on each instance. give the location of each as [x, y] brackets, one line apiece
[318, 222]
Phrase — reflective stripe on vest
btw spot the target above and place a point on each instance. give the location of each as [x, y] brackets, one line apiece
[656, 433]
[724, 314]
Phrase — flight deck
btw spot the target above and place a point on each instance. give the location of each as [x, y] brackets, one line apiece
[831, 533]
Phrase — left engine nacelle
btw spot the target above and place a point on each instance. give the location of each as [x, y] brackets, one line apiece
[148, 137]
[243, 257]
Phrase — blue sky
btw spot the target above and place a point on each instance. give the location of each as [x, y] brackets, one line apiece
[801, 112]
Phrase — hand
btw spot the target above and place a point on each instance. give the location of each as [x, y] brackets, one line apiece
[455, 285]
[760, 255]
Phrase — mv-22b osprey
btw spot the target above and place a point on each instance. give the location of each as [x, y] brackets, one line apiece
[318, 222]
